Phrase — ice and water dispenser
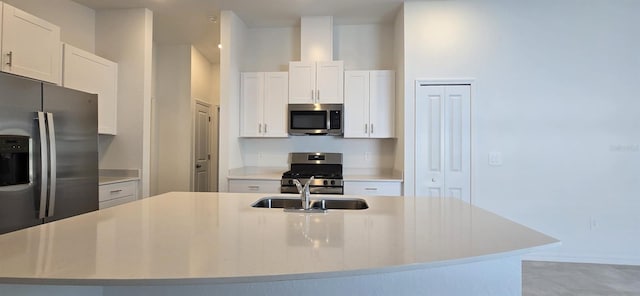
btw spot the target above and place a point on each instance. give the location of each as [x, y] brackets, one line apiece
[14, 160]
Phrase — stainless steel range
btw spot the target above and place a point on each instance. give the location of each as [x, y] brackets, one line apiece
[326, 169]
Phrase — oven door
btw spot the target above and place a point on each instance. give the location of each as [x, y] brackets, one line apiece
[308, 120]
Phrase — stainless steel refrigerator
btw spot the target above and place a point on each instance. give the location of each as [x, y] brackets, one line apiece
[48, 152]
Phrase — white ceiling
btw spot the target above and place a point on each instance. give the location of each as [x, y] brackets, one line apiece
[188, 21]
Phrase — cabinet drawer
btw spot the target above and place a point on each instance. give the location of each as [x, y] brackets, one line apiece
[116, 201]
[118, 190]
[254, 186]
[372, 188]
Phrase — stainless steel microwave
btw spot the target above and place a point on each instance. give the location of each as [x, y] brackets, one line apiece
[315, 119]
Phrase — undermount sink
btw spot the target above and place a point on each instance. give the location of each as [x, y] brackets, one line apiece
[319, 204]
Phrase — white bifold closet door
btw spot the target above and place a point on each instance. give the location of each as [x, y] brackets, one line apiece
[443, 141]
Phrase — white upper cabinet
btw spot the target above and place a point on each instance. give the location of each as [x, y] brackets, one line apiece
[316, 82]
[369, 104]
[263, 104]
[87, 72]
[30, 46]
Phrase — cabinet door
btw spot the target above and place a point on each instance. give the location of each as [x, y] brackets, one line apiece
[30, 46]
[87, 72]
[275, 104]
[254, 186]
[369, 188]
[302, 82]
[356, 104]
[251, 100]
[329, 82]
[382, 104]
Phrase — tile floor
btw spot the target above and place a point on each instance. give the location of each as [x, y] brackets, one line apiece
[554, 278]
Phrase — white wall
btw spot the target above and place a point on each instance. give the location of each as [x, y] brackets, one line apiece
[364, 47]
[557, 96]
[125, 36]
[173, 107]
[271, 49]
[200, 76]
[76, 22]
[398, 55]
[233, 40]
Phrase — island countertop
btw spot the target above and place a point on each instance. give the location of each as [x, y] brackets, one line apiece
[192, 238]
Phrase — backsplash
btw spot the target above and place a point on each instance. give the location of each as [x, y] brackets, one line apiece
[357, 153]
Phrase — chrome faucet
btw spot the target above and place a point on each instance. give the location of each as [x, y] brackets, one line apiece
[304, 193]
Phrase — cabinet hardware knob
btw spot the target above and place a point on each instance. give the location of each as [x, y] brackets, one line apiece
[366, 128]
[259, 128]
[372, 128]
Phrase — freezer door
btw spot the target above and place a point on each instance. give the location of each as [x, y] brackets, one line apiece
[73, 116]
[20, 99]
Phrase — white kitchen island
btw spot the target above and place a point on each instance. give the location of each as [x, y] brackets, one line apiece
[217, 244]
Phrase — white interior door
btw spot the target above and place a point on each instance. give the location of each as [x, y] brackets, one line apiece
[443, 141]
[202, 151]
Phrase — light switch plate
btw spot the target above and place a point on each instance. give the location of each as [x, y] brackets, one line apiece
[495, 158]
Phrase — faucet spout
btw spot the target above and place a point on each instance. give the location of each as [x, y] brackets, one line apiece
[304, 193]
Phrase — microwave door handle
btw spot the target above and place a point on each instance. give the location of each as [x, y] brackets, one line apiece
[44, 169]
[54, 179]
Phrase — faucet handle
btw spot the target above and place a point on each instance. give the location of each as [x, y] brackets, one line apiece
[298, 185]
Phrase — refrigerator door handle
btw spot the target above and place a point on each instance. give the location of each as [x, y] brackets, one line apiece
[52, 153]
[44, 169]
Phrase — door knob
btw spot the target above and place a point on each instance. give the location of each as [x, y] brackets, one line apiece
[198, 166]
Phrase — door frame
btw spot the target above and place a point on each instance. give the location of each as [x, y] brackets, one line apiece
[472, 129]
[192, 161]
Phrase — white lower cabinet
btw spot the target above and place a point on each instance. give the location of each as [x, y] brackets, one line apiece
[254, 186]
[372, 188]
[117, 193]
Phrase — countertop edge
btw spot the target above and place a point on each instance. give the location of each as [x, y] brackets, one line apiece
[271, 278]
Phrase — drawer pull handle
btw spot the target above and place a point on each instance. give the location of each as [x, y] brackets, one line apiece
[254, 187]
[371, 189]
[116, 191]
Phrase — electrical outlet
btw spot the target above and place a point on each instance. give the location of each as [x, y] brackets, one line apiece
[495, 158]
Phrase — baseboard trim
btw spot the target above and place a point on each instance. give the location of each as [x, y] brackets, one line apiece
[594, 260]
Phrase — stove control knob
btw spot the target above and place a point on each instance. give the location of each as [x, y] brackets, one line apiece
[333, 182]
[290, 182]
[325, 182]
